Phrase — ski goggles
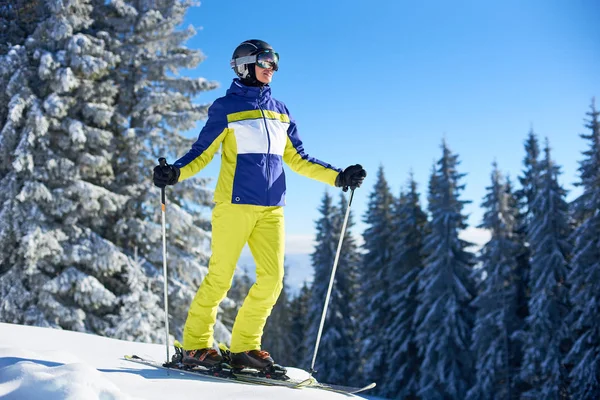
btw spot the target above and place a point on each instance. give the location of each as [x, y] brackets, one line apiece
[264, 59]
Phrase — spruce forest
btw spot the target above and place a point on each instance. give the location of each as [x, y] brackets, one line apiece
[90, 98]
[417, 310]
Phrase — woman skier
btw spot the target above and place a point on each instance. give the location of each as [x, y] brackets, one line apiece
[257, 135]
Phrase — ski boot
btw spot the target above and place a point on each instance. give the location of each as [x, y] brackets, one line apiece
[207, 358]
[207, 361]
[257, 363]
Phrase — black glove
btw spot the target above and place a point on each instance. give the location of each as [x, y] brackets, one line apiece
[165, 175]
[352, 177]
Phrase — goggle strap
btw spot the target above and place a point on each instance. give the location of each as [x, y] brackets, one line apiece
[242, 61]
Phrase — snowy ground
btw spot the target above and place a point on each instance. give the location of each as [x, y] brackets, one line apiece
[40, 363]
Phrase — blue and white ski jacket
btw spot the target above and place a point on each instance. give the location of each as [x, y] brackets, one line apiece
[257, 134]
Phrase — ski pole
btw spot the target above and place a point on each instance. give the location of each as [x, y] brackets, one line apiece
[335, 262]
[163, 198]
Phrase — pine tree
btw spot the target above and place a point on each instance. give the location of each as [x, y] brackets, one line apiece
[375, 278]
[410, 222]
[276, 338]
[444, 318]
[520, 281]
[585, 275]
[341, 338]
[153, 105]
[336, 359]
[18, 20]
[547, 333]
[58, 269]
[496, 301]
[525, 196]
[530, 178]
[299, 307]
[73, 143]
[139, 318]
[322, 261]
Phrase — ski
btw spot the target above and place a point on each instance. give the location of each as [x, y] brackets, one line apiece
[225, 374]
[187, 372]
[248, 377]
[336, 388]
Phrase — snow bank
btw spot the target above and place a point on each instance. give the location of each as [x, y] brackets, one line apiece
[28, 379]
[50, 364]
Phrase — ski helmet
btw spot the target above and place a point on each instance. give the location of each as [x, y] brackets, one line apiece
[244, 59]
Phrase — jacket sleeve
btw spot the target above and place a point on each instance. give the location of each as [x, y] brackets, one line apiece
[300, 162]
[209, 140]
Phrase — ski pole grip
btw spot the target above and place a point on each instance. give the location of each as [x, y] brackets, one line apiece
[163, 197]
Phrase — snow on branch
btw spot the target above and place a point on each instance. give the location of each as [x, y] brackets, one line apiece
[87, 292]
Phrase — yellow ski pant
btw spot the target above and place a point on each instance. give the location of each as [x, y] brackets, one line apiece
[234, 225]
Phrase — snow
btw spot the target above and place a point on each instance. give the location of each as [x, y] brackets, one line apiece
[50, 364]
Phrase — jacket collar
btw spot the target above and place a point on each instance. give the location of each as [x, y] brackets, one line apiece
[239, 89]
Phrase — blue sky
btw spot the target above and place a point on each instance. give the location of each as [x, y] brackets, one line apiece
[381, 83]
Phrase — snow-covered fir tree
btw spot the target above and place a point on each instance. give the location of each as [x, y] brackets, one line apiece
[375, 278]
[276, 338]
[299, 307]
[444, 317]
[342, 335]
[410, 224]
[585, 274]
[496, 361]
[520, 281]
[523, 198]
[138, 319]
[154, 104]
[520, 239]
[59, 269]
[18, 20]
[74, 151]
[322, 261]
[336, 360]
[529, 181]
[546, 336]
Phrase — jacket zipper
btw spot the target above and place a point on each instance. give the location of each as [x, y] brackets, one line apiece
[268, 146]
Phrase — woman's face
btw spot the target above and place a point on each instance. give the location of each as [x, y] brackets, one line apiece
[264, 75]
